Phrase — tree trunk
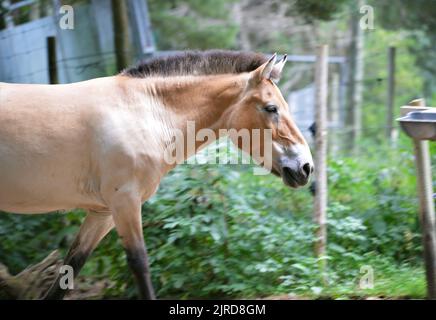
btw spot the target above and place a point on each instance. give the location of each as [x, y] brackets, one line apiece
[320, 205]
[120, 23]
[238, 15]
[354, 97]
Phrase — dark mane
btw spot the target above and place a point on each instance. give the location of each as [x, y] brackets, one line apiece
[197, 63]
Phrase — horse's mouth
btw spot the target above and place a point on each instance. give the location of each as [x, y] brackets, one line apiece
[292, 178]
[286, 175]
[289, 177]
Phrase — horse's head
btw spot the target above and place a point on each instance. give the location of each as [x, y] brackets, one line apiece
[261, 107]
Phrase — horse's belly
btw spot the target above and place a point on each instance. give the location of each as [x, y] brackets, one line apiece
[37, 199]
[30, 192]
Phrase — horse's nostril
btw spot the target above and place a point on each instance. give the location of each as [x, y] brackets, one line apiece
[307, 169]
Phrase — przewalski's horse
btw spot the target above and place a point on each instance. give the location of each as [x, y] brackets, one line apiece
[99, 144]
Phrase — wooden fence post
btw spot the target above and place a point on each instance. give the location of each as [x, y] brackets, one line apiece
[426, 205]
[426, 208]
[353, 112]
[334, 113]
[320, 206]
[52, 65]
[120, 21]
[391, 95]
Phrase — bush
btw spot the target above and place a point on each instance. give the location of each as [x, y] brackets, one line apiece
[220, 231]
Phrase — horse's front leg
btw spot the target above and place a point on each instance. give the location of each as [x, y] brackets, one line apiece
[93, 229]
[126, 208]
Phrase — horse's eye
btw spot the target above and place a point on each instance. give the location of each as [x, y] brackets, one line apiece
[271, 109]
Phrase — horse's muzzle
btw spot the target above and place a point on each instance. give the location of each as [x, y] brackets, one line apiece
[297, 176]
[294, 165]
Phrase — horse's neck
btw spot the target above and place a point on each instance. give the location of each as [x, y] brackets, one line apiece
[198, 101]
[202, 99]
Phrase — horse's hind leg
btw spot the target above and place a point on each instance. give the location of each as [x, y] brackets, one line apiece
[92, 230]
[126, 211]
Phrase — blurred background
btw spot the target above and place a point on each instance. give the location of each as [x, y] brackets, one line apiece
[218, 231]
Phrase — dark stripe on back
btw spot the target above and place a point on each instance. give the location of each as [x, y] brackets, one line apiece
[197, 63]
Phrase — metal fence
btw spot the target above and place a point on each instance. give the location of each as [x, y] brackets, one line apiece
[85, 52]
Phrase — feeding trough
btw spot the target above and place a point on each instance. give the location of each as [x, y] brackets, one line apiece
[420, 125]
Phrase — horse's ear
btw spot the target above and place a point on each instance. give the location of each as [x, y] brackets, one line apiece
[277, 69]
[264, 71]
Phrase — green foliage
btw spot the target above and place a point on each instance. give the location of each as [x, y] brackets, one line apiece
[27, 239]
[408, 82]
[319, 10]
[383, 195]
[217, 231]
[193, 24]
[390, 281]
[206, 238]
[417, 18]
